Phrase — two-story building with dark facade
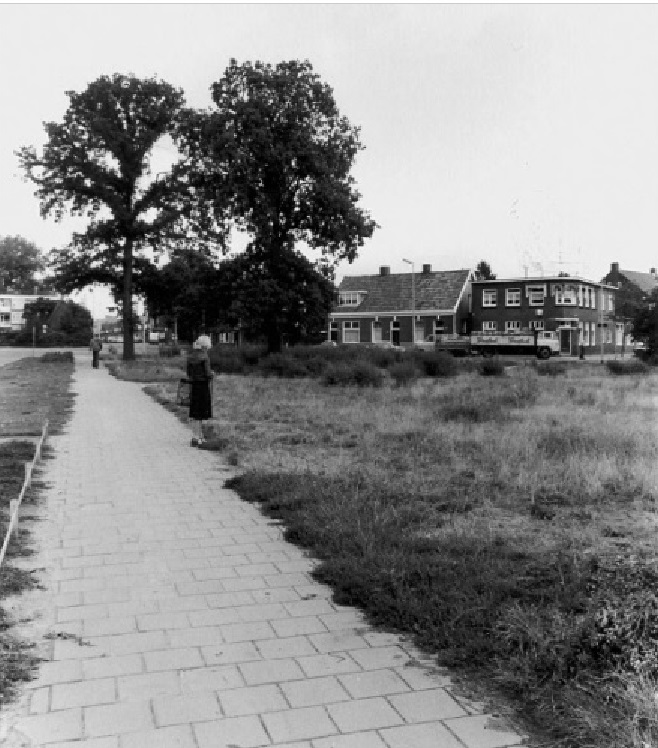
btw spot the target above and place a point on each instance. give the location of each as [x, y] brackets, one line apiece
[582, 312]
[401, 308]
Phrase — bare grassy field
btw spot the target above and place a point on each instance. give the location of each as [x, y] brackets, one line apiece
[507, 523]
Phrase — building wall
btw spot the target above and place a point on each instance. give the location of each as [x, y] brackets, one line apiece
[12, 307]
[393, 328]
[554, 315]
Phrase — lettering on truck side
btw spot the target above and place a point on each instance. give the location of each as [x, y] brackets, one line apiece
[491, 340]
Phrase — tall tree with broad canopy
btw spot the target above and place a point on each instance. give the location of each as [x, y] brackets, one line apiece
[274, 156]
[645, 323]
[95, 164]
[20, 261]
[483, 271]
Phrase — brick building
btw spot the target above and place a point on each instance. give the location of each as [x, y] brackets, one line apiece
[380, 308]
[582, 312]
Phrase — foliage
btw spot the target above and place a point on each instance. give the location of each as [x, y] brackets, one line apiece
[282, 365]
[275, 157]
[404, 372]
[20, 261]
[255, 294]
[630, 367]
[54, 323]
[58, 357]
[645, 323]
[492, 367]
[361, 373]
[94, 164]
[483, 271]
[438, 364]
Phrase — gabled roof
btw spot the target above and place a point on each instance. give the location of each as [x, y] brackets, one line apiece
[440, 289]
[646, 282]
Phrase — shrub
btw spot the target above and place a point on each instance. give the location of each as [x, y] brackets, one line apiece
[439, 364]
[550, 369]
[630, 367]
[492, 367]
[404, 373]
[283, 365]
[360, 373]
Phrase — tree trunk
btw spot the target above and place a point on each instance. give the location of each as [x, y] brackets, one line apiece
[128, 340]
[273, 338]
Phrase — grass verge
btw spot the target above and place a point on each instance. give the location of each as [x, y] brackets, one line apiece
[33, 390]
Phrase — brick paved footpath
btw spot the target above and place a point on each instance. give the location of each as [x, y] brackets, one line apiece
[174, 614]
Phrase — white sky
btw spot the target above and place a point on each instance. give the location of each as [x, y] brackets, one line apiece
[515, 133]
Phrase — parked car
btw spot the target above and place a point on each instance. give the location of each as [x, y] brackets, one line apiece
[640, 349]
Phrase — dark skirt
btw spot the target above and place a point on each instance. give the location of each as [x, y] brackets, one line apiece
[200, 401]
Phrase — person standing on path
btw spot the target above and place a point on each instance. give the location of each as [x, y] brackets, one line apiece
[200, 376]
[96, 346]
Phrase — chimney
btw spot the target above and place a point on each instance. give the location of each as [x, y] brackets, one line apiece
[653, 272]
[614, 267]
[384, 270]
[427, 269]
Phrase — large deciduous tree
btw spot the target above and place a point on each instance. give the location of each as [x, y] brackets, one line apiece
[95, 164]
[20, 262]
[275, 156]
[645, 323]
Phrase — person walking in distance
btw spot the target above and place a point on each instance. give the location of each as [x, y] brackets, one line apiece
[96, 346]
[200, 376]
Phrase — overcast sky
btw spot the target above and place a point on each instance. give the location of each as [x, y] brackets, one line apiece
[525, 135]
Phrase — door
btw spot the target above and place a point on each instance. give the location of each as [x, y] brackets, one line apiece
[565, 341]
[395, 333]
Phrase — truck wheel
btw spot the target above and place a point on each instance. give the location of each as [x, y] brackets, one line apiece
[544, 353]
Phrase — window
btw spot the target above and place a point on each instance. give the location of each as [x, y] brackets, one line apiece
[592, 333]
[513, 325]
[592, 298]
[4, 319]
[513, 297]
[611, 303]
[333, 331]
[608, 335]
[439, 327]
[585, 333]
[489, 297]
[536, 295]
[350, 332]
[537, 324]
[349, 298]
[566, 294]
[489, 327]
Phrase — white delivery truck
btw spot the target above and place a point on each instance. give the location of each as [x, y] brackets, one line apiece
[541, 344]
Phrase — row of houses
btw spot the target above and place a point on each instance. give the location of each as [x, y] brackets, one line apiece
[406, 308]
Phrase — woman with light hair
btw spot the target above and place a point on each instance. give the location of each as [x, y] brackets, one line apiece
[200, 376]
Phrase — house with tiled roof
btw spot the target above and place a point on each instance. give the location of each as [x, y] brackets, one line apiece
[633, 288]
[401, 308]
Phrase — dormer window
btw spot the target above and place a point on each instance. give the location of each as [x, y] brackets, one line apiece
[350, 298]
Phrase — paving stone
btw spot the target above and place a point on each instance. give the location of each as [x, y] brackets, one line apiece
[423, 706]
[420, 678]
[166, 737]
[363, 714]
[54, 727]
[314, 691]
[252, 700]
[483, 731]
[117, 719]
[63, 671]
[211, 679]
[240, 632]
[377, 658]
[147, 685]
[298, 626]
[430, 735]
[173, 659]
[174, 710]
[337, 641]
[292, 646]
[109, 742]
[299, 724]
[357, 740]
[245, 732]
[270, 671]
[83, 693]
[226, 654]
[328, 664]
[373, 683]
[113, 666]
[40, 700]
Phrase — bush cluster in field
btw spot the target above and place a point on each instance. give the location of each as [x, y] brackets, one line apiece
[339, 365]
[494, 523]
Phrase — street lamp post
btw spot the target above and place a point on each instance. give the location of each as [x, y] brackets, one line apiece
[413, 301]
